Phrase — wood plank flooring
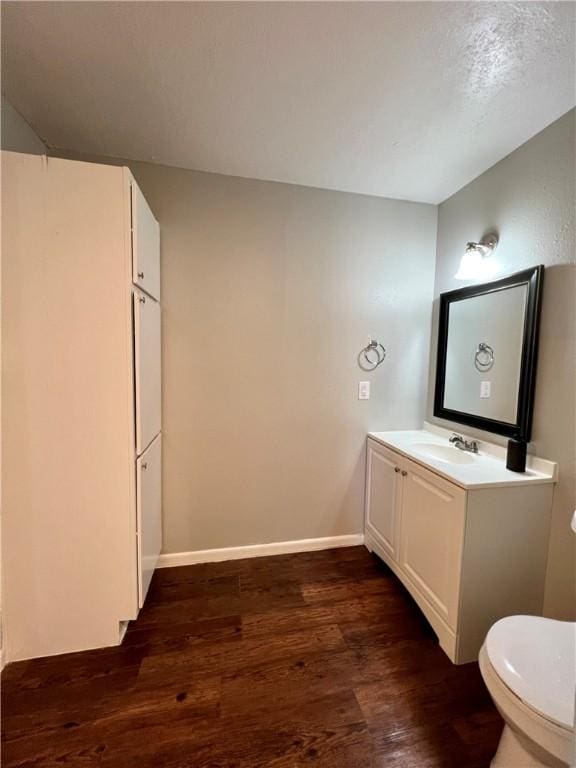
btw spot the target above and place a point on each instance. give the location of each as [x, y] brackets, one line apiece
[316, 659]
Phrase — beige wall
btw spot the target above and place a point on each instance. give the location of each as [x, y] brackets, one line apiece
[269, 292]
[16, 135]
[529, 198]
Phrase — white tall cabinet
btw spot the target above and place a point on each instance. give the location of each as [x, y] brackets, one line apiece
[81, 400]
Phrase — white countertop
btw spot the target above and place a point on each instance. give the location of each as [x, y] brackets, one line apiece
[487, 469]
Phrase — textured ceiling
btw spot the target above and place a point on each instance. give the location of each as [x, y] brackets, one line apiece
[408, 100]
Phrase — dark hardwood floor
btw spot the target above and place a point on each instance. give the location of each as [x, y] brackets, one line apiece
[316, 659]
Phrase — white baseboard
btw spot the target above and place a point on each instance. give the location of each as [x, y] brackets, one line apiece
[258, 550]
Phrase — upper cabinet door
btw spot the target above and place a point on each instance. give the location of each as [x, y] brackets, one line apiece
[148, 369]
[145, 245]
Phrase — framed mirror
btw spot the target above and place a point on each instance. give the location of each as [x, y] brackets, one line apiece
[487, 349]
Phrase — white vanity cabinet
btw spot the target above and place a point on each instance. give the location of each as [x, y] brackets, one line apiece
[81, 391]
[468, 555]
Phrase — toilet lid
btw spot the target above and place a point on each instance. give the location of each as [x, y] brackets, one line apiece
[536, 659]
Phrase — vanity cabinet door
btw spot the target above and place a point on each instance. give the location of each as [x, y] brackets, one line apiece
[383, 496]
[433, 515]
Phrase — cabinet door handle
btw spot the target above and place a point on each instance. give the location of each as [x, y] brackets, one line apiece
[396, 469]
[142, 299]
[141, 275]
[145, 465]
[404, 473]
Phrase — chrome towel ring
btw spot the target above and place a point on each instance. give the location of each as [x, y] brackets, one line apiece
[371, 356]
[484, 357]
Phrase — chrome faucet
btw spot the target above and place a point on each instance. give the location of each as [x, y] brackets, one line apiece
[464, 445]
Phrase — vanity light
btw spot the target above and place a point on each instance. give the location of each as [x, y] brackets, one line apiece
[478, 262]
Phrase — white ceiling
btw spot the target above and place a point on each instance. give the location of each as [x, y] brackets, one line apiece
[402, 99]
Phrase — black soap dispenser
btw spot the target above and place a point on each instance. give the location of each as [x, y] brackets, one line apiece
[516, 455]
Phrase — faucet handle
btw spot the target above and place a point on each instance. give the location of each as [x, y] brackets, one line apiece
[455, 438]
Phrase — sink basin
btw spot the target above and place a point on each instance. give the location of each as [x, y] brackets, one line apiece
[443, 453]
[487, 469]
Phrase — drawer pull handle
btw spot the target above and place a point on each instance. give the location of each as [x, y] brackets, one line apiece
[141, 275]
[142, 299]
[404, 473]
[145, 465]
[396, 469]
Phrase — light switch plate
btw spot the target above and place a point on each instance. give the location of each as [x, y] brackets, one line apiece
[363, 390]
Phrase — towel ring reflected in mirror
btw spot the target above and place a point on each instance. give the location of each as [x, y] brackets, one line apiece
[371, 356]
[484, 357]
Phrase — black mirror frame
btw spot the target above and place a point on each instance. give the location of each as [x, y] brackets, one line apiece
[522, 428]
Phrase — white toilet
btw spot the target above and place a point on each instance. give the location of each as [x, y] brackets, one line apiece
[528, 664]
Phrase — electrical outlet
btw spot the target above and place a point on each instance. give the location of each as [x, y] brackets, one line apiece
[363, 390]
[485, 389]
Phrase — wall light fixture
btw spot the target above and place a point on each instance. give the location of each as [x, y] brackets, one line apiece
[478, 262]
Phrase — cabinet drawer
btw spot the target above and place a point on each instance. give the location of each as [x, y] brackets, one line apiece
[147, 373]
[145, 245]
[149, 514]
[432, 535]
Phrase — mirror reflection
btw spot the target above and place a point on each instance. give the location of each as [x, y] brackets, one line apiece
[484, 353]
[487, 353]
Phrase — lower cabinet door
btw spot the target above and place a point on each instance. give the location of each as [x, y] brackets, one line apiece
[149, 513]
[432, 537]
[383, 495]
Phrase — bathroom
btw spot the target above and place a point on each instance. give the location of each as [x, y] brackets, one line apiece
[308, 176]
